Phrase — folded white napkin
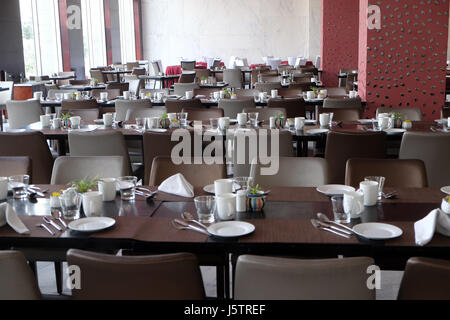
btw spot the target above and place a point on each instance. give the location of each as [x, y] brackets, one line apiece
[435, 221]
[177, 185]
[9, 216]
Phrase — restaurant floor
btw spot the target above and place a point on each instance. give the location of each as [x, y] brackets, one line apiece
[390, 281]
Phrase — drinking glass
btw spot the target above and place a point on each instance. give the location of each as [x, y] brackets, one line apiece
[253, 117]
[182, 117]
[140, 123]
[256, 96]
[214, 123]
[206, 206]
[338, 210]
[127, 186]
[243, 183]
[380, 181]
[19, 185]
[70, 202]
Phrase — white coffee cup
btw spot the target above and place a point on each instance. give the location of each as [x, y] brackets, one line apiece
[324, 92]
[189, 94]
[159, 96]
[126, 95]
[353, 203]
[313, 80]
[353, 94]
[224, 123]
[242, 119]
[3, 188]
[104, 96]
[142, 95]
[37, 95]
[448, 122]
[56, 123]
[324, 119]
[445, 206]
[221, 94]
[75, 121]
[370, 191]
[274, 94]
[300, 123]
[107, 187]
[216, 95]
[262, 96]
[59, 96]
[92, 203]
[67, 96]
[222, 186]
[272, 122]
[107, 119]
[45, 120]
[310, 95]
[226, 206]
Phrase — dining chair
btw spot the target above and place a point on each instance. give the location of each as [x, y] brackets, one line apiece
[233, 77]
[64, 74]
[112, 93]
[433, 149]
[398, 173]
[187, 77]
[295, 107]
[334, 92]
[268, 78]
[138, 72]
[157, 277]
[302, 78]
[69, 169]
[11, 166]
[290, 93]
[267, 87]
[135, 85]
[50, 86]
[22, 113]
[341, 146]
[163, 167]
[307, 86]
[425, 279]
[156, 67]
[202, 73]
[350, 81]
[122, 107]
[152, 91]
[245, 93]
[51, 94]
[122, 86]
[17, 281]
[203, 114]
[204, 92]
[445, 113]
[413, 114]
[181, 88]
[231, 107]
[78, 104]
[87, 115]
[30, 144]
[132, 65]
[80, 82]
[100, 143]
[5, 96]
[175, 106]
[132, 114]
[266, 113]
[343, 114]
[187, 65]
[273, 278]
[342, 103]
[293, 172]
[97, 74]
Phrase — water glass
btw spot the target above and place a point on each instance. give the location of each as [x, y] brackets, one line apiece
[127, 186]
[182, 117]
[253, 117]
[19, 185]
[338, 210]
[380, 181]
[214, 123]
[140, 122]
[206, 206]
[70, 202]
[243, 183]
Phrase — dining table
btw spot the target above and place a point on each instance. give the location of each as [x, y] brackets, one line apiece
[165, 80]
[117, 73]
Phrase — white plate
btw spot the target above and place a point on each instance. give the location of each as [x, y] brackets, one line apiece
[377, 231]
[209, 188]
[317, 131]
[446, 190]
[230, 229]
[395, 131]
[91, 224]
[334, 189]
[157, 130]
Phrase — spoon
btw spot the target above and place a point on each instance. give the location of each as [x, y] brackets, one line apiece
[46, 228]
[50, 222]
[316, 224]
[182, 225]
[324, 218]
[188, 217]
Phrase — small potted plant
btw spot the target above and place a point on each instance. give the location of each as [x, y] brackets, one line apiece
[256, 199]
[315, 90]
[280, 121]
[204, 80]
[227, 93]
[85, 185]
[65, 118]
[164, 121]
[94, 82]
[396, 120]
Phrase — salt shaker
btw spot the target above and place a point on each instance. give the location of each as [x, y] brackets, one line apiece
[241, 201]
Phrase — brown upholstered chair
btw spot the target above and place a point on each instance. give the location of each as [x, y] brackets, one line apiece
[10, 166]
[398, 173]
[79, 82]
[270, 278]
[159, 277]
[342, 146]
[132, 65]
[336, 92]
[425, 279]
[33, 145]
[295, 107]
[245, 93]
[413, 114]
[265, 113]
[301, 86]
[203, 114]
[267, 86]
[112, 93]
[289, 93]
[199, 175]
[122, 86]
[175, 106]
[17, 281]
[445, 114]
[231, 107]
[342, 103]
[87, 115]
[204, 92]
[80, 104]
[188, 65]
[187, 77]
[343, 114]
[97, 74]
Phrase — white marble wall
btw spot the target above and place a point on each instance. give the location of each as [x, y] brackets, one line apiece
[222, 28]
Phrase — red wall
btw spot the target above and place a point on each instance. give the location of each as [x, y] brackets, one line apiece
[403, 64]
[340, 20]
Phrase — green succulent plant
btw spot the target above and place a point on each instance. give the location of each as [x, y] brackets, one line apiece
[254, 189]
[65, 116]
[84, 185]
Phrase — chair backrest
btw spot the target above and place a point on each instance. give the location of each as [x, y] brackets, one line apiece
[123, 86]
[79, 82]
[122, 107]
[333, 92]
[301, 86]
[343, 114]
[342, 146]
[267, 87]
[398, 173]
[187, 77]
[295, 107]
[342, 103]
[17, 281]
[22, 113]
[289, 93]
[7, 94]
[78, 104]
[202, 73]
[233, 77]
[175, 106]
[132, 114]
[97, 74]
[11, 166]
[204, 92]
[167, 277]
[163, 167]
[138, 71]
[266, 113]
[112, 93]
[88, 115]
[51, 94]
[30, 144]
[245, 93]
[203, 114]
[99, 143]
[413, 114]
[68, 169]
[155, 66]
[425, 279]
[132, 65]
[187, 65]
[273, 278]
[181, 88]
[135, 85]
[293, 172]
[231, 107]
[433, 149]
[445, 113]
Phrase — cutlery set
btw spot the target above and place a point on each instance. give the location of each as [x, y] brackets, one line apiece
[49, 221]
[146, 193]
[323, 223]
[184, 224]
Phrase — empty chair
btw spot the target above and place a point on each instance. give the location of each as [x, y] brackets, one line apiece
[433, 149]
[203, 114]
[295, 107]
[132, 65]
[122, 86]
[33, 145]
[413, 114]
[266, 113]
[51, 94]
[290, 93]
[135, 85]
[343, 114]
[333, 92]
[233, 77]
[207, 92]
[187, 65]
[425, 279]
[100, 143]
[159, 277]
[181, 88]
[7, 94]
[274, 63]
[268, 78]
[78, 104]
[231, 107]
[175, 106]
[87, 115]
[342, 103]
[293, 172]
[267, 87]
[187, 77]
[112, 93]
[17, 281]
[122, 107]
[23, 113]
[341, 146]
[98, 75]
[138, 72]
[301, 86]
[64, 74]
[11, 166]
[246, 93]
[79, 82]
[68, 169]
[350, 82]
[163, 167]
[202, 73]
[132, 114]
[398, 173]
[156, 66]
[271, 278]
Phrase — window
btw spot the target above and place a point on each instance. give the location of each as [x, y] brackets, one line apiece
[127, 40]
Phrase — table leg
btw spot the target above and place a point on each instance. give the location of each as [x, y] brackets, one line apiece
[62, 147]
